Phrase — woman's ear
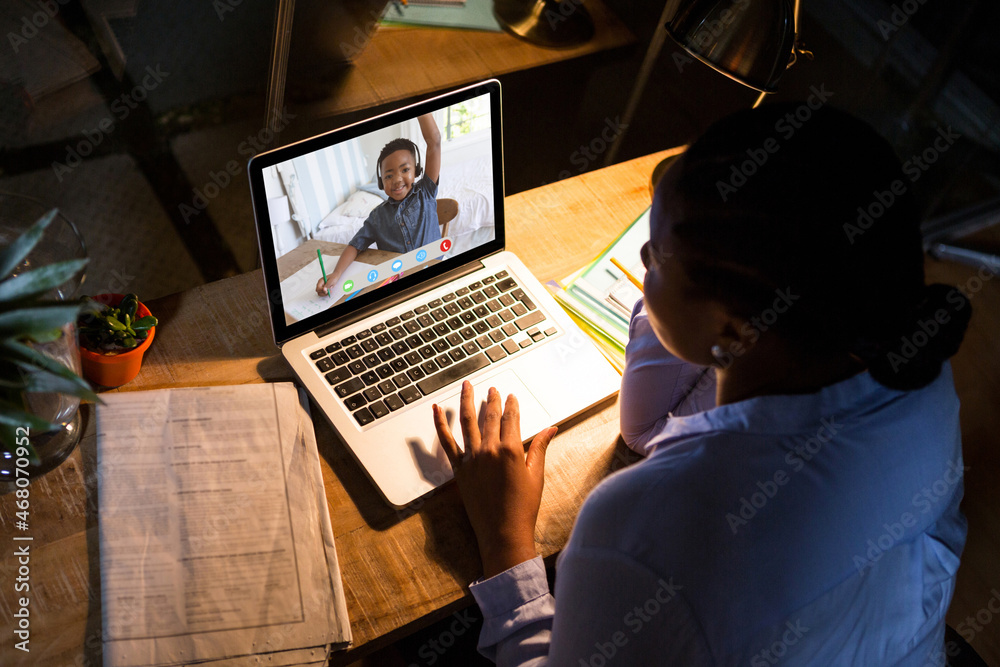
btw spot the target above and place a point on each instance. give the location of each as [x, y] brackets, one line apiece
[737, 337]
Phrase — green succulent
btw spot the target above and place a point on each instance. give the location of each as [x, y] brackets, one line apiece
[111, 328]
[26, 317]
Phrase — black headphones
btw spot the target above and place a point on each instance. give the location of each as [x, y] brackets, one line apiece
[400, 145]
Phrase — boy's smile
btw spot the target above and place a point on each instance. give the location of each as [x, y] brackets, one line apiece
[397, 174]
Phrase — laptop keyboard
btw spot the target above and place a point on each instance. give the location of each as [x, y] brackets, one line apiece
[383, 368]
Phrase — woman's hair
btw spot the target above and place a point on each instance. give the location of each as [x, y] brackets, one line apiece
[806, 224]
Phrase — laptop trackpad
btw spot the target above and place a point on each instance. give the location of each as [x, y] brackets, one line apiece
[533, 417]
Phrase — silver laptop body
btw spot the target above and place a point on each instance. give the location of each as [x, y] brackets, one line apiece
[410, 327]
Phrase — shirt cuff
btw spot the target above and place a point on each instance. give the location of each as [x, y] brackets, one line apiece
[503, 593]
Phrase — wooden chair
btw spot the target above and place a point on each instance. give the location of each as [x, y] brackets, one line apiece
[447, 211]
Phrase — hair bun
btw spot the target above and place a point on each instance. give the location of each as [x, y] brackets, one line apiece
[913, 358]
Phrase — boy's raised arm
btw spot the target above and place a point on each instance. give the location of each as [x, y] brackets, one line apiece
[432, 156]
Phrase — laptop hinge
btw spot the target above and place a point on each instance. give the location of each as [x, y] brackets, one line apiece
[397, 299]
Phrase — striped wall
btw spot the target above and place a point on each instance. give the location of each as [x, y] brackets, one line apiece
[327, 177]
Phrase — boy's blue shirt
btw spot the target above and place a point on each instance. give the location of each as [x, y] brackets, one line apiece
[402, 226]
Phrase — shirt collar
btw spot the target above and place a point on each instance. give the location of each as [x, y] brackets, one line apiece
[782, 414]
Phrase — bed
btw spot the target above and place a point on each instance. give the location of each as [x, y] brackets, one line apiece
[470, 183]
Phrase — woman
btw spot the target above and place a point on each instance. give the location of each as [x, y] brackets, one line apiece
[811, 515]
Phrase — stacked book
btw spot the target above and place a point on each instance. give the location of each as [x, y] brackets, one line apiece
[600, 296]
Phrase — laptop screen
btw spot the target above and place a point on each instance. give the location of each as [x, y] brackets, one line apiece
[359, 214]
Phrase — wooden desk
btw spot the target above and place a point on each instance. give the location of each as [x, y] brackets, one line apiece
[405, 62]
[401, 569]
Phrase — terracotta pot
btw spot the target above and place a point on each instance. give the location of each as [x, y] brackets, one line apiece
[114, 370]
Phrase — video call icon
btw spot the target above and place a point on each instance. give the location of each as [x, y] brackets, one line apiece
[348, 285]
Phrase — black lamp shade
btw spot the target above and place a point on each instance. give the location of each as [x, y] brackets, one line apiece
[747, 40]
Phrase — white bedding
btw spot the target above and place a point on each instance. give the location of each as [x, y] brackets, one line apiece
[470, 183]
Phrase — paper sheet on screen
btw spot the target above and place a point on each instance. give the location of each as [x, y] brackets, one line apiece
[298, 291]
[215, 538]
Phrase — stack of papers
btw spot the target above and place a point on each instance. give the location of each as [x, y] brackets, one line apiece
[215, 539]
[599, 297]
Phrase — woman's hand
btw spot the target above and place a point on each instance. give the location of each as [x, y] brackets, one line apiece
[501, 487]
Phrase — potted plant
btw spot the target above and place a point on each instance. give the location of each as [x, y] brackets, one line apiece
[115, 332]
[39, 393]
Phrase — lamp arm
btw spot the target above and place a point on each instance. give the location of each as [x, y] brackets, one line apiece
[797, 48]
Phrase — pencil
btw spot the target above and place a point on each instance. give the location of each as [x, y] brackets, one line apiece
[322, 268]
[628, 274]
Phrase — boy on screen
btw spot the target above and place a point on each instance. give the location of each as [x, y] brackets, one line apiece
[408, 218]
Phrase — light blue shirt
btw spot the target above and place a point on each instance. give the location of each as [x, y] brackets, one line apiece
[814, 529]
[402, 226]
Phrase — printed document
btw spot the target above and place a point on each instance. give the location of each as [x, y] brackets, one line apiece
[215, 538]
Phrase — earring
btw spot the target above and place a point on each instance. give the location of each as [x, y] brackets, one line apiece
[717, 352]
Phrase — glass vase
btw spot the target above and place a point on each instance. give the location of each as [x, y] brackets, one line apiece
[61, 241]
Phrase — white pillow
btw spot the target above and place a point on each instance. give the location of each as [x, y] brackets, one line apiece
[358, 205]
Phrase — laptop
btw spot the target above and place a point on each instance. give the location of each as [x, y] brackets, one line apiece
[404, 326]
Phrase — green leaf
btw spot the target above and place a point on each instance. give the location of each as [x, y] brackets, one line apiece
[115, 324]
[47, 336]
[35, 302]
[12, 415]
[19, 249]
[40, 280]
[41, 382]
[11, 377]
[30, 359]
[26, 322]
[129, 305]
[145, 323]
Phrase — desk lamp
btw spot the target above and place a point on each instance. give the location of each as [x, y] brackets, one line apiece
[549, 23]
[750, 41]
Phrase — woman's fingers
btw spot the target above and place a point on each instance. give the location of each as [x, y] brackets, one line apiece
[491, 418]
[444, 435]
[497, 425]
[467, 418]
[510, 423]
[535, 460]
